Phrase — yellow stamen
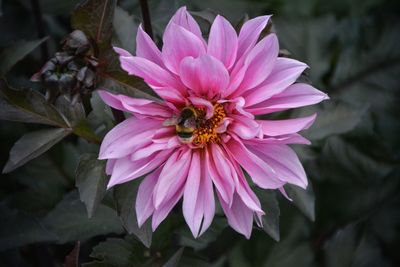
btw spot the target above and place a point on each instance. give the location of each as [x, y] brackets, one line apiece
[206, 132]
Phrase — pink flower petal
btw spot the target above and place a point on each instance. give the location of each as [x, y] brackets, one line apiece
[144, 199]
[244, 127]
[221, 172]
[284, 161]
[205, 75]
[198, 199]
[172, 176]
[282, 139]
[260, 172]
[153, 74]
[203, 103]
[165, 208]
[122, 52]
[136, 105]
[285, 72]
[249, 34]
[185, 20]
[223, 41]
[296, 95]
[290, 126]
[126, 170]
[178, 44]
[146, 48]
[239, 216]
[122, 139]
[257, 66]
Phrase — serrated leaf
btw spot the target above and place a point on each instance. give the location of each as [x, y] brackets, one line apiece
[15, 52]
[186, 238]
[91, 181]
[304, 199]
[340, 249]
[32, 145]
[270, 206]
[125, 198]
[19, 229]
[73, 112]
[125, 28]
[69, 220]
[95, 19]
[117, 252]
[28, 106]
[174, 260]
[334, 118]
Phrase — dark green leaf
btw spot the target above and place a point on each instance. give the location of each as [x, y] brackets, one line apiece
[117, 252]
[125, 197]
[125, 27]
[186, 238]
[174, 260]
[83, 130]
[69, 220]
[95, 19]
[18, 229]
[33, 145]
[28, 106]
[15, 52]
[333, 118]
[339, 251]
[91, 181]
[270, 206]
[72, 259]
[304, 199]
[73, 112]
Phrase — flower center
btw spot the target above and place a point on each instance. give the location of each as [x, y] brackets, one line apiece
[206, 132]
[193, 127]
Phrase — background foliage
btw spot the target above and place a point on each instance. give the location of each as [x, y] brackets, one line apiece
[55, 210]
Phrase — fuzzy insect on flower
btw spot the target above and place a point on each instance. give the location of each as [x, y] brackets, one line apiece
[199, 140]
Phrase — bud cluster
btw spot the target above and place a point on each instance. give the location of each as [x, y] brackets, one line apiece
[72, 71]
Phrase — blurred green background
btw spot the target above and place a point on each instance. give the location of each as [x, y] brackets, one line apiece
[353, 50]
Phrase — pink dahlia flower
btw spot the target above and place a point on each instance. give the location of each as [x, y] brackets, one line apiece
[198, 142]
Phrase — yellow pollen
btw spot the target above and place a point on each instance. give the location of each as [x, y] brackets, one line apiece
[206, 131]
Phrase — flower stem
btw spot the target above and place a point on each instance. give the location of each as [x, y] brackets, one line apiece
[37, 13]
[146, 17]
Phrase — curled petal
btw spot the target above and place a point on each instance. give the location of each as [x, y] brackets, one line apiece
[178, 44]
[205, 75]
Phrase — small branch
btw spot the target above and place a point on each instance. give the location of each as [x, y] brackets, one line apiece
[37, 13]
[146, 17]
